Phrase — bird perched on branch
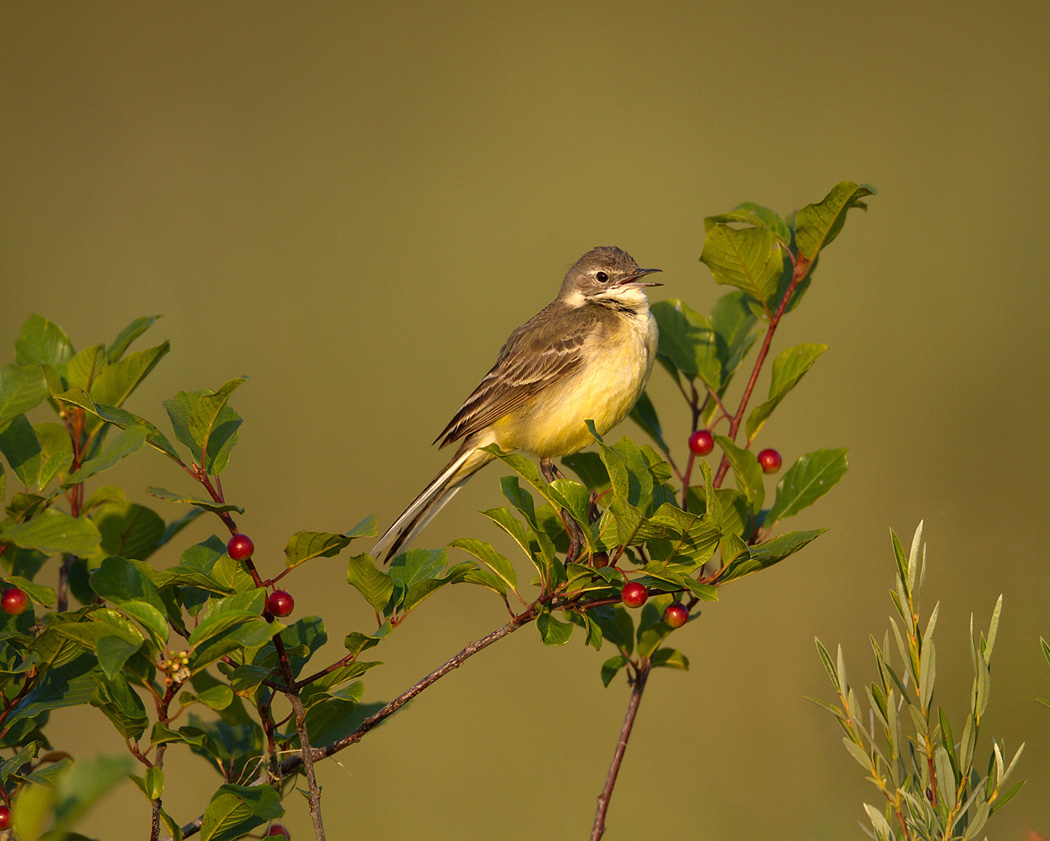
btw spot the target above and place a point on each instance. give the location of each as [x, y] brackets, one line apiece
[585, 356]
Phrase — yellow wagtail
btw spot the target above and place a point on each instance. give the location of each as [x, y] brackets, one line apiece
[585, 356]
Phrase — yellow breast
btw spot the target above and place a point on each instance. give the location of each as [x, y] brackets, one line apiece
[618, 361]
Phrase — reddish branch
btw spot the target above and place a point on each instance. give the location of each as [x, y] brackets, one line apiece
[640, 677]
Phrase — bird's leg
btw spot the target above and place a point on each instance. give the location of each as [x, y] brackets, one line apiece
[551, 472]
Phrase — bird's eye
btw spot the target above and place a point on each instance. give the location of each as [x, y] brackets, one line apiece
[602, 276]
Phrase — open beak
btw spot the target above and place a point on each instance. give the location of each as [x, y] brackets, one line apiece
[632, 279]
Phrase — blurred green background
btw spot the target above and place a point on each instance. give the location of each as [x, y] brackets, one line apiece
[354, 203]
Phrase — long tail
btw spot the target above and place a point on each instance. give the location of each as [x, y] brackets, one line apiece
[468, 461]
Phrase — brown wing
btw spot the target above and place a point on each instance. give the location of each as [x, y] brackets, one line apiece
[538, 354]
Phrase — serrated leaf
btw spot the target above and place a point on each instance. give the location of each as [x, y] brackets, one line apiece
[809, 478]
[788, 368]
[816, 225]
[588, 466]
[750, 259]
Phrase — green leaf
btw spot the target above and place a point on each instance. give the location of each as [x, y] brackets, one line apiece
[304, 545]
[816, 225]
[19, 444]
[121, 706]
[749, 213]
[644, 414]
[356, 642]
[118, 580]
[120, 418]
[788, 368]
[588, 466]
[41, 342]
[85, 367]
[751, 259]
[611, 667]
[669, 658]
[746, 471]
[154, 782]
[236, 810]
[734, 325]
[206, 504]
[769, 553]
[129, 441]
[127, 529]
[128, 335]
[376, 586]
[70, 685]
[61, 806]
[553, 631]
[217, 697]
[56, 451]
[149, 617]
[117, 380]
[809, 478]
[484, 552]
[688, 342]
[53, 533]
[113, 652]
[22, 387]
[204, 423]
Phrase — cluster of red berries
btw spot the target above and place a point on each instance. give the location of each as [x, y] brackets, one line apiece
[280, 602]
[702, 442]
[634, 594]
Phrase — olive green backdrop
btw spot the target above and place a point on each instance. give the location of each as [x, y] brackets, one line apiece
[354, 203]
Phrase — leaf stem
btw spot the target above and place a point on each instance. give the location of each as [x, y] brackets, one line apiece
[801, 269]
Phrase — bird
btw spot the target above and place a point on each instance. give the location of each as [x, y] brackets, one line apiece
[585, 356]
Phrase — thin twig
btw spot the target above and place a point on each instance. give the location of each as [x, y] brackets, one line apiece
[314, 793]
[605, 797]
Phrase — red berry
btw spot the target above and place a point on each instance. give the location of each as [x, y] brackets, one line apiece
[278, 830]
[701, 442]
[280, 603]
[600, 559]
[5, 817]
[770, 461]
[634, 594]
[14, 601]
[240, 547]
[676, 615]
